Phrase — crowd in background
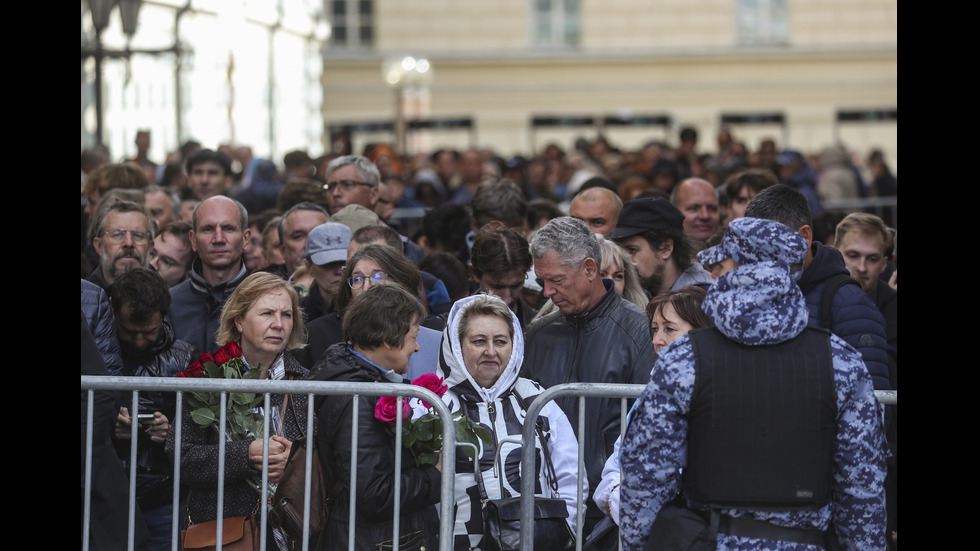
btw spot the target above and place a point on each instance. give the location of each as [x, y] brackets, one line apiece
[167, 246]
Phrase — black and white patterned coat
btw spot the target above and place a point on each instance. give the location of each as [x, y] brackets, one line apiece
[498, 409]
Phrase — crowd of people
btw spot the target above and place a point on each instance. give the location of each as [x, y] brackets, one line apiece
[713, 279]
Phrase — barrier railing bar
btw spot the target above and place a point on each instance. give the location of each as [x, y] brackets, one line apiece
[134, 423]
[293, 386]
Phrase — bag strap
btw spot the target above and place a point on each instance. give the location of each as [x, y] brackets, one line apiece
[830, 288]
[550, 473]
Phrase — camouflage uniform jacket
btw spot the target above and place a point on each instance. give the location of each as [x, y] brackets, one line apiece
[756, 304]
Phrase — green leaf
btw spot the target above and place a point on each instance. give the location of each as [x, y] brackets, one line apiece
[424, 429]
[428, 458]
[241, 398]
[214, 371]
[203, 416]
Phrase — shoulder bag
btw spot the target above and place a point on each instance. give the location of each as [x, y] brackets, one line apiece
[502, 517]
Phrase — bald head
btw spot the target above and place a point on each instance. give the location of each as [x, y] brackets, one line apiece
[698, 200]
[598, 207]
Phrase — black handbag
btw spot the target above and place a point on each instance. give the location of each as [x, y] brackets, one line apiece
[502, 517]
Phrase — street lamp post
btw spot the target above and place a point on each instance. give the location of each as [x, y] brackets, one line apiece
[401, 74]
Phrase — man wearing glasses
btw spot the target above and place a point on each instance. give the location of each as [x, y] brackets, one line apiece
[122, 240]
[352, 180]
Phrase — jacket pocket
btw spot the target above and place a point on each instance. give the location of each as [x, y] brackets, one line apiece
[412, 541]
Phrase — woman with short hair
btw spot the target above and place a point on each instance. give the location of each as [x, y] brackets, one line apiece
[380, 329]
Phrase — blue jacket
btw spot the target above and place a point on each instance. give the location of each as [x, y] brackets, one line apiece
[102, 324]
[195, 308]
[854, 317]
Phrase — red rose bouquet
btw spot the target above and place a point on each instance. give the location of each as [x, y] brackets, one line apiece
[423, 435]
[225, 363]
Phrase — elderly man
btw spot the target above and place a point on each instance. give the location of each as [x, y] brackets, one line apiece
[594, 336]
[352, 180]
[766, 427]
[123, 233]
[219, 232]
[698, 200]
[599, 207]
[651, 230]
[161, 205]
[172, 254]
[140, 302]
[294, 229]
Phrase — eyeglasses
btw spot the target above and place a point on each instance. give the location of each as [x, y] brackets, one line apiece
[118, 236]
[346, 184]
[356, 282]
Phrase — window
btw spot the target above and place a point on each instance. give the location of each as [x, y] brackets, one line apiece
[555, 22]
[762, 22]
[352, 22]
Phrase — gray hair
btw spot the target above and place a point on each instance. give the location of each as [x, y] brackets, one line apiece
[305, 205]
[116, 204]
[367, 169]
[570, 238]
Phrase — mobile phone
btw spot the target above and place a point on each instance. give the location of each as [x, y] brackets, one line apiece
[145, 416]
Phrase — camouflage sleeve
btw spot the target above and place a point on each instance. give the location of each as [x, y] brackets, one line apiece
[858, 503]
[655, 445]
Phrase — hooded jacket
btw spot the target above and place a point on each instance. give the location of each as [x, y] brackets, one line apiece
[420, 487]
[756, 304]
[498, 409]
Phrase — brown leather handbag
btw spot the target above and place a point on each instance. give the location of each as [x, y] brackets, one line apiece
[237, 534]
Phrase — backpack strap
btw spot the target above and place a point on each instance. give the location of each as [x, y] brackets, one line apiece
[830, 288]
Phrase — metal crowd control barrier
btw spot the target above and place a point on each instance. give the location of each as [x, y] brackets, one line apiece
[310, 388]
[582, 391]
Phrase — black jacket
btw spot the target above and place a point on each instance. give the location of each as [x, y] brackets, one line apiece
[608, 344]
[166, 357]
[420, 487]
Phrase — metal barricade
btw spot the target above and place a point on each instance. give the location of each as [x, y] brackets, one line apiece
[266, 388]
[583, 391]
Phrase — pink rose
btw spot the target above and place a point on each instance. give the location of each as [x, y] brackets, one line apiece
[432, 382]
[387, 409]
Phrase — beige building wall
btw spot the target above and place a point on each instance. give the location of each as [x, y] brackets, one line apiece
[672, 57]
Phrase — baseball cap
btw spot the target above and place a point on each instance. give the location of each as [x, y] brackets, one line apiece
[751, 240]
[328, 243]
[356, 216]
[646, 213]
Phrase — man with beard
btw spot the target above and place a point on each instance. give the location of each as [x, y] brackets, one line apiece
[122, 233]
[651, 230]
[140, 302]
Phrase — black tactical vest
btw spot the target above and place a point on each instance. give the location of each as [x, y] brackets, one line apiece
[762, 422]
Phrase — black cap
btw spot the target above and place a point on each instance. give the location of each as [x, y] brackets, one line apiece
[646, 213]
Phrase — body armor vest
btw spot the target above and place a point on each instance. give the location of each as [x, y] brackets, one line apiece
[762, 422]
